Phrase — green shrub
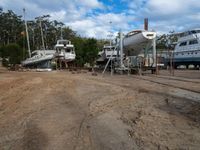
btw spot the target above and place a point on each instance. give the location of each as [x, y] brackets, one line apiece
[5, 62]
[11, 54]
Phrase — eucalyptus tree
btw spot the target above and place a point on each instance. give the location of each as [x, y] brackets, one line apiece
[11, 27]
[12, 30]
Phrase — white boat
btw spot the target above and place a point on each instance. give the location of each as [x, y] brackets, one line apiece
[65, 50]
[135, 41]
[107, 52]
[187, 49]
[39, 58]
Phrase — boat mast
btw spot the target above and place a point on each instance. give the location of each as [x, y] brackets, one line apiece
[27, 35]
[40, 19]
[61, 33]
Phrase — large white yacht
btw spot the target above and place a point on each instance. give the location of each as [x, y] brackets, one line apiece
[65, 50]
[187, 49]
[135, 41]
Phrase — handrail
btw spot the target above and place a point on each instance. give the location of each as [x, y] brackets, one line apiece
[110, 59]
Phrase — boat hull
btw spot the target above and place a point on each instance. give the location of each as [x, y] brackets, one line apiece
[186, 58]
[67, 57]
[190, 57]
[134, 44]
[34, 61]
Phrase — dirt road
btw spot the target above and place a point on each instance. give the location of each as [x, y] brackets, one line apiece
[61, 110]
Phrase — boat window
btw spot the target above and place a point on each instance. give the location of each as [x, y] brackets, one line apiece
[183, 44]
[68, 50]
[182, 34]
[193, 31]
[193, 42]
[195, 52]
[149, 34]
[63, 42]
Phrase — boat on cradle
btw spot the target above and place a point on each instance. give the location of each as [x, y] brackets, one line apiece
[187, 49]
[107, 52]
[39, 59]
[137, 45]
[136, 41]
[65, 50]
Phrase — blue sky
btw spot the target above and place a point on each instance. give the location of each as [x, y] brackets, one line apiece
[91, 18]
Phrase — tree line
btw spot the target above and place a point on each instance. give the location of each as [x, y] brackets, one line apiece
[13, 45]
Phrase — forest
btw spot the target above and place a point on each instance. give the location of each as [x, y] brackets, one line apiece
[13, 45]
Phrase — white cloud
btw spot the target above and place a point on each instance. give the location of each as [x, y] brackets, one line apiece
[195, 17]
[99, 26]
[136, 4]
[74, 13]
[171, 8]
[60, 15]
[166, 15]
[90, 3]
[83, 17]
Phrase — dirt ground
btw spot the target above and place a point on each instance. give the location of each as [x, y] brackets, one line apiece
[78, 111]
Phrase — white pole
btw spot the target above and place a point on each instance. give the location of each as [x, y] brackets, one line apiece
[154, 52]
[42, 34]
[61, 33]
[27, 35]
[111, 71]
[121, 50]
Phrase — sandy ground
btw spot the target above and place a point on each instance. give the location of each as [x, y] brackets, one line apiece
[61, 110]
[183, 73]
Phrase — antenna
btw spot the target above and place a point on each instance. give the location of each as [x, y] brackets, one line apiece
[27, 35]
